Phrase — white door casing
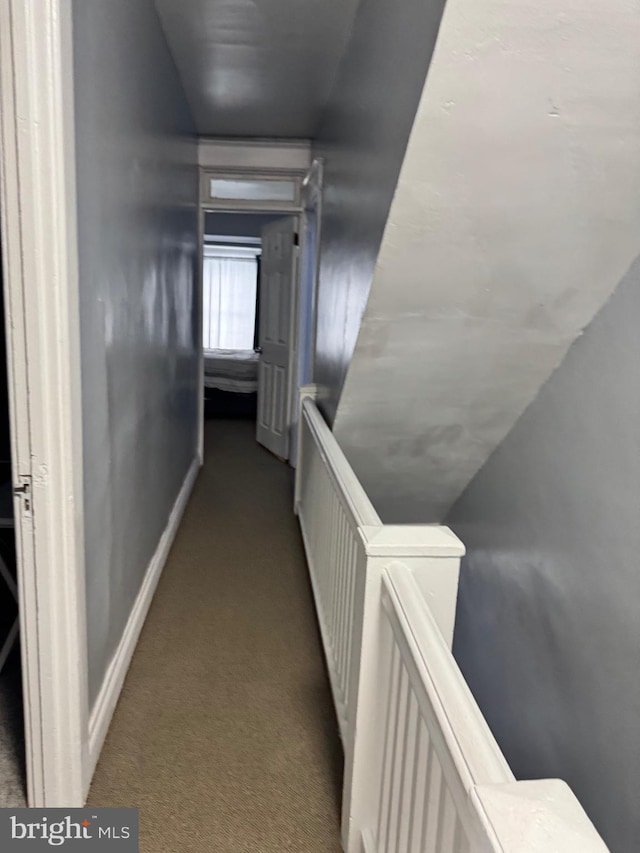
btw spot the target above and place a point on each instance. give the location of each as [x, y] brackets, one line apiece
[39, 241]
[306, 288]
[278, 278]
[310, 260]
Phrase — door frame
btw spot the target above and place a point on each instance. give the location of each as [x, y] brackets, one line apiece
[310, 181]
[311, 204]
[312, 187]
[40, 265]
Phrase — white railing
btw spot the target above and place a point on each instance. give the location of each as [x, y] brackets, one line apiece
[347, 547]
[423, 773]
[438, 781]
[333, 507]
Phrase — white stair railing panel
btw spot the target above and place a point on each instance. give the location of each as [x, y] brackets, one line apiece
[330, 519]
[444, 785]
[461, 737]
[538, 815]
[431, 555]
[423, 773]
[431, 753]
[347, 547]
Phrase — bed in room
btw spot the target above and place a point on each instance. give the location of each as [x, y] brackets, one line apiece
[231, 382]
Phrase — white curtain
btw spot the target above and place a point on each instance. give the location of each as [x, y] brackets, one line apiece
[229, 302]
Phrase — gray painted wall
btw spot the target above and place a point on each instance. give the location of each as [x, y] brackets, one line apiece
[514, 218]
[237, 224]
[137, 193]
[363, 136]
[547, 631]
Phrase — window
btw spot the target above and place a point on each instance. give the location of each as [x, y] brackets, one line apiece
[256, 190]
[230, 284]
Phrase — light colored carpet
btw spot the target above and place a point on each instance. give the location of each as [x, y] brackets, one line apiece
[225, 736]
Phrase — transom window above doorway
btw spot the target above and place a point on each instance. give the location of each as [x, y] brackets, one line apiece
[260, 191]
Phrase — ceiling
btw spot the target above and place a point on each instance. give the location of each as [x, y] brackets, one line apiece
[257, 68]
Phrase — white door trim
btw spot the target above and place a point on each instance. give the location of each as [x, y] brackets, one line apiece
[199, 326]
[43, 339]
[306, 302]
[240, 206]
[312, 187]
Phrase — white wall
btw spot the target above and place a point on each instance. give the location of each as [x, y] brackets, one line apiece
[547, 630]
[137, 194]
[363, 136]
[515, 216]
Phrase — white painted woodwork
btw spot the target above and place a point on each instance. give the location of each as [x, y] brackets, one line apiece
[276, 335]
[332, 507]
[43, 186]
[538, 816]
[307, 286]
[347, 547]
[256, 190]
[423, 772]
[247, 155]
[438, 779]
[38, 206]
[199, 325]
[433, 744]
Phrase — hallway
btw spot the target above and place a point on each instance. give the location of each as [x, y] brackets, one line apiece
[225, 736]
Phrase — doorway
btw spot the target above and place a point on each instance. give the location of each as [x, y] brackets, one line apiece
[250, 306]
[273, 219]
[231, 288]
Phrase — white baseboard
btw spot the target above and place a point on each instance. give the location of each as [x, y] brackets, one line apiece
[107, 698]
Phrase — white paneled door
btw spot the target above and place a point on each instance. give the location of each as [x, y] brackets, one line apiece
[278, 274]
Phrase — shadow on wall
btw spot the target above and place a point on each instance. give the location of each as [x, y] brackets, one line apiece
[363, 137]
[547, 631]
